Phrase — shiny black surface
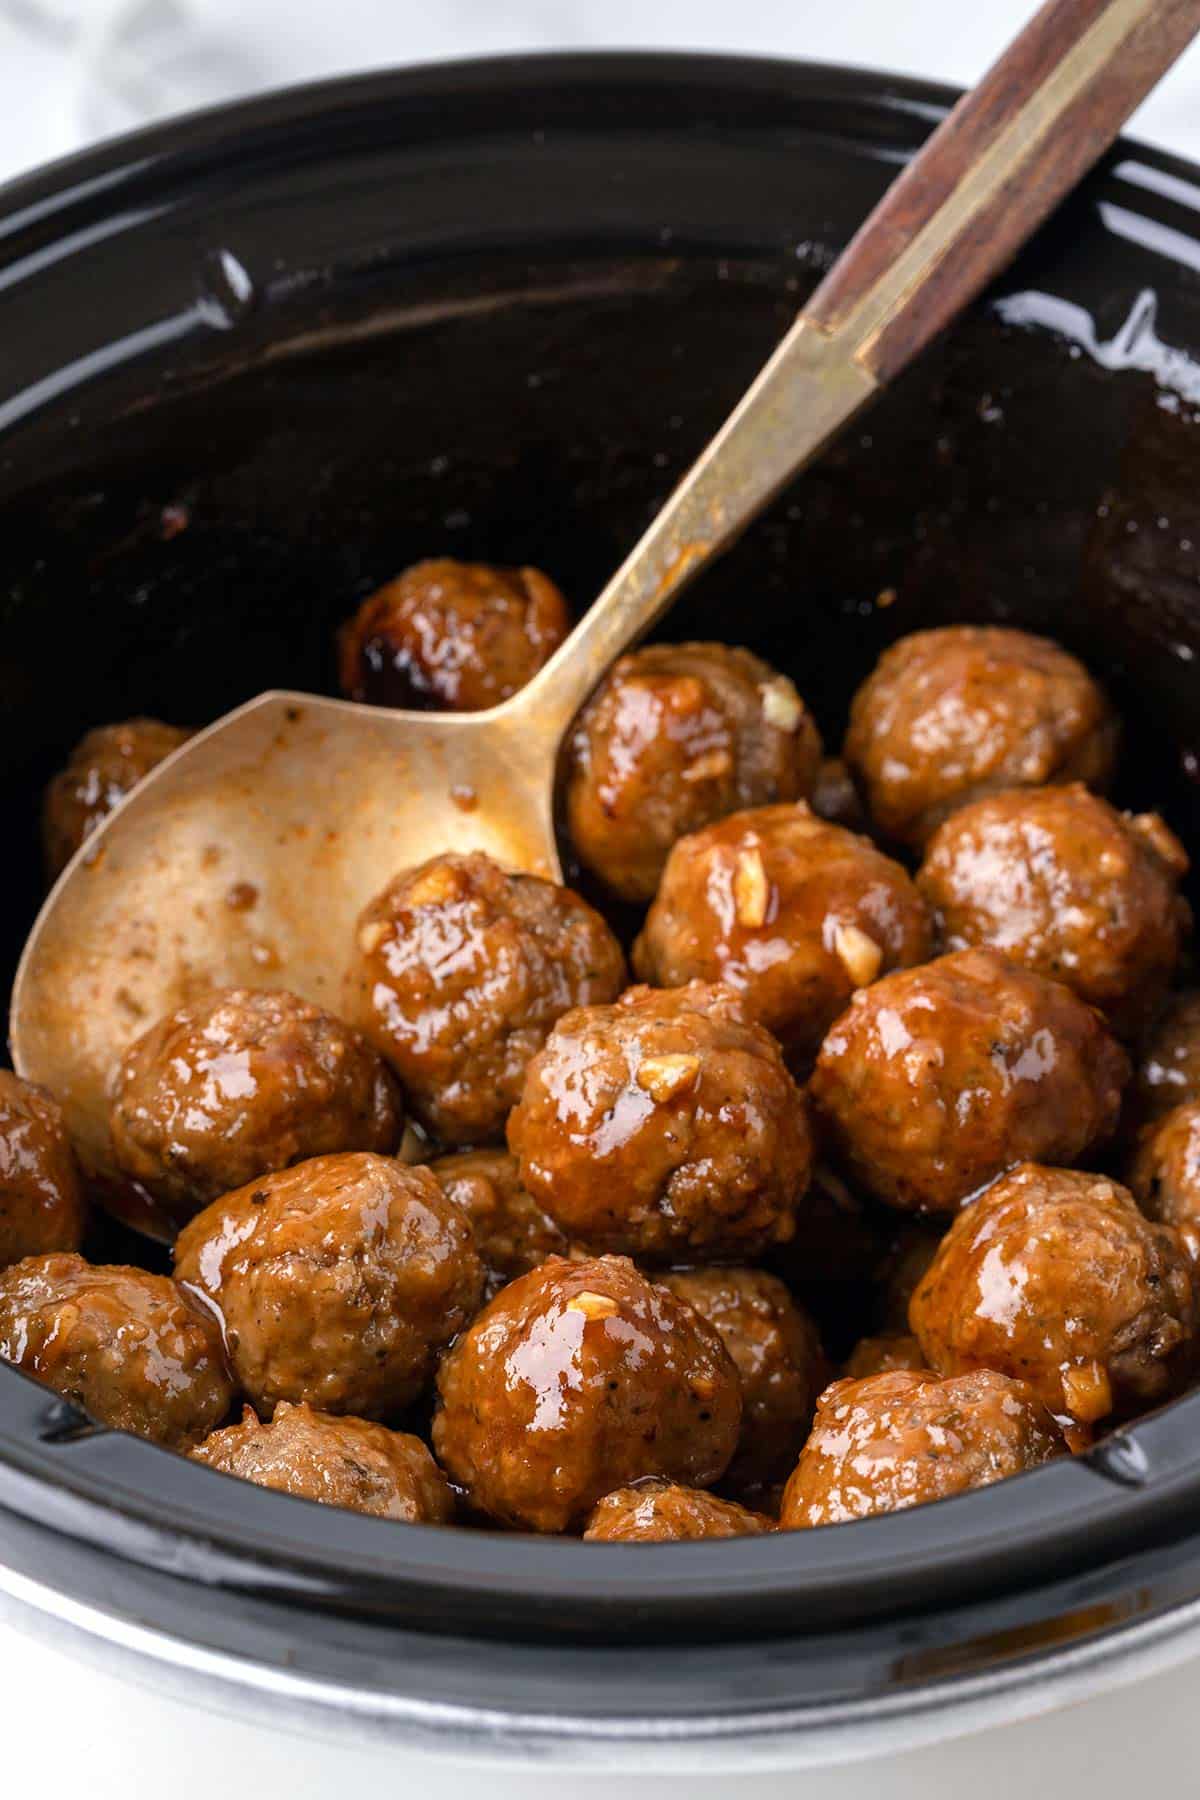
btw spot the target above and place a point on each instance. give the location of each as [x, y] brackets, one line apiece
[494, 310]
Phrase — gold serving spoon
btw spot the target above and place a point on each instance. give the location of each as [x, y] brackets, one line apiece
[247, 856]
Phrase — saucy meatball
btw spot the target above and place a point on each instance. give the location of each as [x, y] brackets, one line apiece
[42, 1202]
[678, 735]
[880, 1354]
[664, 1125]
[1165, 1173]
[338, 1461]
[654, 1511]
[835, 797]
[1059, 881]
[461, 970]
[104, 766]
[937, 1078]
[240, 1084]
[452, 636]
[577, 1379]
[965, 710]
[1168, 1067]
[905, 1437]
[1055, 1277]
[338, 1281]
[124, 1345]
[778, 1355]
[512, 1233]
[793, 914]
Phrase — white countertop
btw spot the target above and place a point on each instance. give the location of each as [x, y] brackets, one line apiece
[68, 1726]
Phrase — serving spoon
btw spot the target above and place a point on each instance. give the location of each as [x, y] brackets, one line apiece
[246, 857]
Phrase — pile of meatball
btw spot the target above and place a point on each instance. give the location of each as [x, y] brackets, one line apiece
[515, 1243]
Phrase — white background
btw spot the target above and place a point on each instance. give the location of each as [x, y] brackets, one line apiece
[67, 1727]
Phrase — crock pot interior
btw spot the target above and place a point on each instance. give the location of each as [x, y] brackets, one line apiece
[252, 365]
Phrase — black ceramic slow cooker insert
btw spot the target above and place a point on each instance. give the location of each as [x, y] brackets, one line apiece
[493, 310]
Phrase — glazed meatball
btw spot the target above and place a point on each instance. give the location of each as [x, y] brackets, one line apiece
[678, 735]
[965, 710]
[240, 1084]
[42, 1201]
[339, 1281]
[654, 1511]
[905, 1437]
[1168, 1067]
[1055, 1277]
[664, 1126]
[452, 636]
[104, 766]
[882, 1354]
[937, 1078]
[461, 970]
[578, 1378]
[778, 1355]
[338, 1461]
[1165, 1173]
[512, 1233]
[791, 913]
[126, 1346]
[1058, 881]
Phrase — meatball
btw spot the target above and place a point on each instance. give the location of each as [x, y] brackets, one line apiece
[1165, 1172]
[339, 1461]
[452, 636]
[966, 710]
[578, 1378]
[242, 1083]
[104, 766]
[654, 1511]
[338, 1281]
[1058, 881]
[678, 735]
[126, 1346]
[664, 1126]
[880, 1355]
[512, 1233]
[778, 1355]
[1055, 1277]
[835, 797]
[905, 1437]
[791, 913]
[42, 1202]
[461, 970]
[937, 1078]
[1168, 1068]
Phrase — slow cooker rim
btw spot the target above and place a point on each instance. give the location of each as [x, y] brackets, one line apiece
[1138, 1479]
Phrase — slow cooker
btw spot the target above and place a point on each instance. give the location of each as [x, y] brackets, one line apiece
[252, 363]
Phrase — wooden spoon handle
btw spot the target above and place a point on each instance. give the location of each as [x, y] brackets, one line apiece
[993, 170]
[986, 178]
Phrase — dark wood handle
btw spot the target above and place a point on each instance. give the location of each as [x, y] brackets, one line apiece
[992, 171]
